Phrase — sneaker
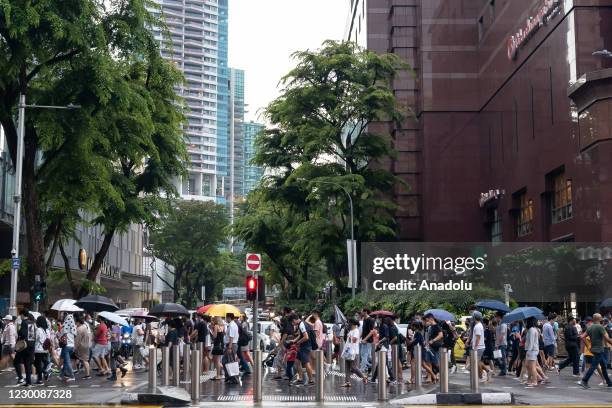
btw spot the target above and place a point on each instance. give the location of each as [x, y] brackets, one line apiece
[20, 381]
[87, 377]
[69, 379]
[576, 375]
[26, 385]
[583, 385]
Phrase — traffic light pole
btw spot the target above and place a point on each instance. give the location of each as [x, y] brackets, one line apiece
[256, 316]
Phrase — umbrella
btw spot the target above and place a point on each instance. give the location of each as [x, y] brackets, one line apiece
[606, 304]
[168, 309]
[97, 303]
[113, 317]
[522, 313]
[35, 315]
[383, 313]
[493, 305]
[222, 309]
[66, 305]
[142, 315]
[339, 317]
[440, 314]
[204, 309]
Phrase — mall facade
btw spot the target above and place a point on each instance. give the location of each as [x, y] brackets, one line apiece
[511, 137]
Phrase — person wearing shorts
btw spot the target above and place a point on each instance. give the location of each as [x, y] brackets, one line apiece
[532, 349]
[478, 344]
[304, 349]
[99, 350]
[9, 338]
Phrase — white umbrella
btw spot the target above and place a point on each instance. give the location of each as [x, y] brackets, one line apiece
[35, 315]
[66, 305]
[114, 317]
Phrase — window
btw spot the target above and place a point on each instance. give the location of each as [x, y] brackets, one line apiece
[561, 198]
[496, 226]
[524, 225]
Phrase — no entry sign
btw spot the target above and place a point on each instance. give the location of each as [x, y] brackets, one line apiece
[253, 262]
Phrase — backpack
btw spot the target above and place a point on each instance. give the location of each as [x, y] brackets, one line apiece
[312, 337]
[449, 336]
[243, 336]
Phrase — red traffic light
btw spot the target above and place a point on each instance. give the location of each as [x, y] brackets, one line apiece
[251, 288]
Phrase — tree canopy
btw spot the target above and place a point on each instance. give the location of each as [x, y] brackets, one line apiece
[109, 160]
[322, 144]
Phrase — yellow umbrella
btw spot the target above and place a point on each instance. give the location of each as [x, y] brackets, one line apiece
[222, 309]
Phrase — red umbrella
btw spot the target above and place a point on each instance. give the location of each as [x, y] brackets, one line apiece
[204, 309]
[383, 313]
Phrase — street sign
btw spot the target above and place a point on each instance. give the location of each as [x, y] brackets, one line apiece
[253, 262]
[15, 263]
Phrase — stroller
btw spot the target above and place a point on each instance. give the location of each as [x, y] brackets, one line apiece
[269, 360]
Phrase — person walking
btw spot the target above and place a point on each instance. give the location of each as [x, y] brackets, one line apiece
[100, 347]
[501, 342]
[67, 335]
[599, 337]
[532, 349]
[550, 341]
[41, 352]
[352, 347]
[365, 346]
[570, 335]
[9, 338]
[82, 343]
[218, 333]
[384, 344]
[231, 346]
[304, 342]
[244, 338]
[478, 345]
[26, 339]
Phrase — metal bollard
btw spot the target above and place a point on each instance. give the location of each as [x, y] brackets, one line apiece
[340, 359]
[176, 365]
[195, 375]
[186, 361]
[257, 380]
[152, 369]
[330, 351]
[320, 370]
[165, 366]
[418, 363]
[474, 371]
[443, 370]
[382, 375]
[395, 361]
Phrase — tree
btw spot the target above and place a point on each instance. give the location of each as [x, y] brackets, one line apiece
[190, 238]
[111, 157]
[321, 143]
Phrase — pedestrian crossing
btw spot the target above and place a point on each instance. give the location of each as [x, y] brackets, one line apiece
[286, 398]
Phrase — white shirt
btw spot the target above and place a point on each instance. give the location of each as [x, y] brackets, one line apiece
[478, 331]
[353, 336]
[9, 335]
[231, 331]
[41, 336]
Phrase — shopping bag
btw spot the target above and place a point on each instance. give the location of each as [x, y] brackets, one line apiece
[347, 353]
[232, 369]
[497, 354]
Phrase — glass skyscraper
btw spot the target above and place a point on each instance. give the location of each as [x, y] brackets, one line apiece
[252, 173]
[197, 44]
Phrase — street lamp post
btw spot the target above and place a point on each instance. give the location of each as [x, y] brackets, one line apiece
[17, 197]
[350, 254]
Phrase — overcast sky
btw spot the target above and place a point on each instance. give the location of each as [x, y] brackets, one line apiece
[264, 33]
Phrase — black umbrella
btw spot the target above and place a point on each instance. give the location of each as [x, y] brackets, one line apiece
[97, 303]
[493, 305]
[168, 309]
[339, 317]
[606, 304]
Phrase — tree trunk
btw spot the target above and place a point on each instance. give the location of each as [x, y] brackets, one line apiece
[34, 231]
[74, 288]
[92, 274]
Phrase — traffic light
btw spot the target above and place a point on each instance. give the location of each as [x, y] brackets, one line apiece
[39, 291]
[251, 288]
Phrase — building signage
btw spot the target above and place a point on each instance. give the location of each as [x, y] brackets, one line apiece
[490, 196]
[546, 12]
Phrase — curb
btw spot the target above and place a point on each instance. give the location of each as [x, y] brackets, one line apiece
[485, 398]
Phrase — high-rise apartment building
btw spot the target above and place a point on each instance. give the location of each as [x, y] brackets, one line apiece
[197, 44]
[252, 173]
[236, 135]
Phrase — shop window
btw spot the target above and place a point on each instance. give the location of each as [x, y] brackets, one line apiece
[524, 220]
[561, 198]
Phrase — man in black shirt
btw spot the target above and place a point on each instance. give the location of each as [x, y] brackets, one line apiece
[572, 345]
[365, 348]
[27, 334]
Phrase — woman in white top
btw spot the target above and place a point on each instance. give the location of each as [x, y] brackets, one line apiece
[532, 348]
[41, 355]
[352, 345]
